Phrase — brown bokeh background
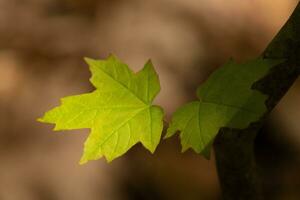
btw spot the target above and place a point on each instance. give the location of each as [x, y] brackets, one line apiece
[42, 43]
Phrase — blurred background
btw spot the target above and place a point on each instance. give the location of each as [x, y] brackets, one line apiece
[42, 43]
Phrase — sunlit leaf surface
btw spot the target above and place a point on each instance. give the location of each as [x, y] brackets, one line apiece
[119, 112]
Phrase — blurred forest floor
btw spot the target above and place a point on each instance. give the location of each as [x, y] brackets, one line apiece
[42, 43]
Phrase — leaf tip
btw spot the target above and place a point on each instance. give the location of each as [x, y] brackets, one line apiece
[168, 134]
[40, 119]
[171, 130]
[88, 60]
[56, 128]
[184, 148]
[152, 150]
[149, 66]
[150, 147]
[83, 161]
[112, 56]
[149, 62]
[109, 160]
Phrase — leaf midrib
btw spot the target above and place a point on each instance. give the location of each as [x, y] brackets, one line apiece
[125, 87]
[123, 124]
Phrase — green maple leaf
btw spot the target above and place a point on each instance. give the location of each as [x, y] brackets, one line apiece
[225, 100]
[119, 112]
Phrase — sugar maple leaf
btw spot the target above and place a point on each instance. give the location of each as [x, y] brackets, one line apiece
[225, 100]
[119, 112]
